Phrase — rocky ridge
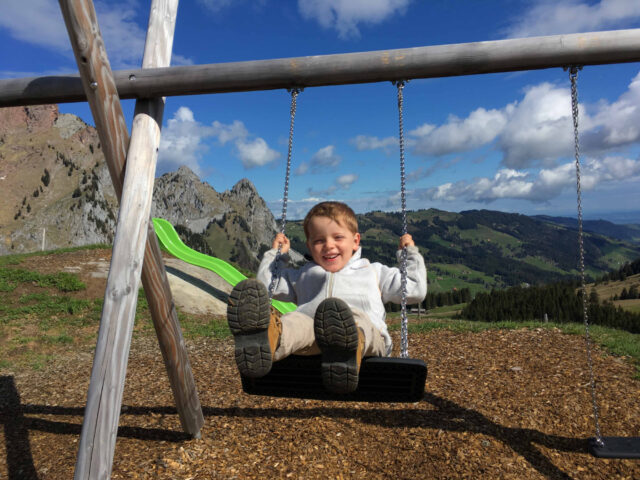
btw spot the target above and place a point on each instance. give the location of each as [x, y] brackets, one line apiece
[57, 192]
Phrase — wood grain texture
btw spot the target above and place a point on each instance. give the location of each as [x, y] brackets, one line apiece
[97, 442]
[158, 48]
[555, 51]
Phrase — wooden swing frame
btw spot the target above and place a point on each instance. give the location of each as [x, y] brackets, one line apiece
[131, 160]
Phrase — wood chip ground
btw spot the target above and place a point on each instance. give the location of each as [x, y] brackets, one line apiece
[499, 405]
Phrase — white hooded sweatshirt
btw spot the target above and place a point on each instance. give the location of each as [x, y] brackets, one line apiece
[361, 284]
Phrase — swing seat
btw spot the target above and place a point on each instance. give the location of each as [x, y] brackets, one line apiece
[381, 379]
[616, 447]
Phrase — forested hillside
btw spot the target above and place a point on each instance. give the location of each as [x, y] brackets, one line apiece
[629, 232]
[558, 302]
[484, 249]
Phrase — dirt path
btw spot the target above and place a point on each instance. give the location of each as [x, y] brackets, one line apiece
[499, 405]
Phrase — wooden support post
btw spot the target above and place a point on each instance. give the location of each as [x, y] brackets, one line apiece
[157, 53]
[97, 442]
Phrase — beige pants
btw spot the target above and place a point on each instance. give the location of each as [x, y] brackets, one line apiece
[297, 336]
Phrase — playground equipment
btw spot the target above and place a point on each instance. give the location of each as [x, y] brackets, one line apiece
[381, 379]
[170, 241]
[599, 446]
[136, 253]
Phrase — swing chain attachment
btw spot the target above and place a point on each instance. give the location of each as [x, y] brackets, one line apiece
[573, 77]
[404, 346]
[294, 91]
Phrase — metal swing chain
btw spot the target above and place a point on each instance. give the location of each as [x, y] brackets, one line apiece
[404, 346]
[285, 196]
[573, 76]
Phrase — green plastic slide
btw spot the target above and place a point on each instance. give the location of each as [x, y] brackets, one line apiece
[170, 241]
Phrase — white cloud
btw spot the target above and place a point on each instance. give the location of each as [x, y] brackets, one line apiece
[549, 17]
[123, 37]
[546, 185]
[539, 128]
[302, 169]
[183, 143]
[183, 114]
[345, 181]
[326, 157]
[296, 209]
[534, 131]
[37, 22]
[322, 193]
[324, 160]
[345, 15]
[255, 153]
[423, 130]
[457, 135]
[177, 59]
[618, 123]
[227, 133]
[366, 142]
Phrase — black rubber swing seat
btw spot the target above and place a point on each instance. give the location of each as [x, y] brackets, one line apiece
[381, 379]
[616, 447]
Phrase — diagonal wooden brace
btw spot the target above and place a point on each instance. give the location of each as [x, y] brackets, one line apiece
[136, 253]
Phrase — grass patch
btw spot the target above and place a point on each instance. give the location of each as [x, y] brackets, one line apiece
[198, 327]
[444, 277]
[16, 259]
[44, 306]
[446, 309]
[60, 339]
[633, 308]
[482, 234]
[543, 264]
[62, 281]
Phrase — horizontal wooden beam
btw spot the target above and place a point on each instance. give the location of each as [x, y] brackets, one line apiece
[594, 48]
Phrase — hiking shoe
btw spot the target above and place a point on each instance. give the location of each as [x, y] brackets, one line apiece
[256, 329]
[341, 343]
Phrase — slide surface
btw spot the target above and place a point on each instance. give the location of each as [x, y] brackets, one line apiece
[171, 242]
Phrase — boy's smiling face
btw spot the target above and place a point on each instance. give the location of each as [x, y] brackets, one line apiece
[331, 245]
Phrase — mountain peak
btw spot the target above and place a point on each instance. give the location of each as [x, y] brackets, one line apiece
[184, 171]
[244, 184]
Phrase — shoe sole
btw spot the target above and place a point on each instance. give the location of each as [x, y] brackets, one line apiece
[337, 337]
[248, 315]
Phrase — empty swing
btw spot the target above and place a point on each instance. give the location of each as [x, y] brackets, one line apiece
[599, 446]
[381, 379]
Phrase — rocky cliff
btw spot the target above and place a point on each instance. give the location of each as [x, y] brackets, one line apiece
[53, 181]
[57, 192]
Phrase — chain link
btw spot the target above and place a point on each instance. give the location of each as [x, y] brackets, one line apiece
[275, 274]
[573, 76]
[404, 345]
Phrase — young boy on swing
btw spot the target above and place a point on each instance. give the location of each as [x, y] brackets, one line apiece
[340, 298]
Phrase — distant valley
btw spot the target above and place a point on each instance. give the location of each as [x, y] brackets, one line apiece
[484, 249]
[56, 186]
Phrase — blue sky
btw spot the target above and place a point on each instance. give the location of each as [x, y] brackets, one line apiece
[497, 141]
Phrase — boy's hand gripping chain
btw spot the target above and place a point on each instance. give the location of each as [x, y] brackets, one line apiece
[285, 197]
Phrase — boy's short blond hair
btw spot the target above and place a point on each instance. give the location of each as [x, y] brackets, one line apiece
[339, 212]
